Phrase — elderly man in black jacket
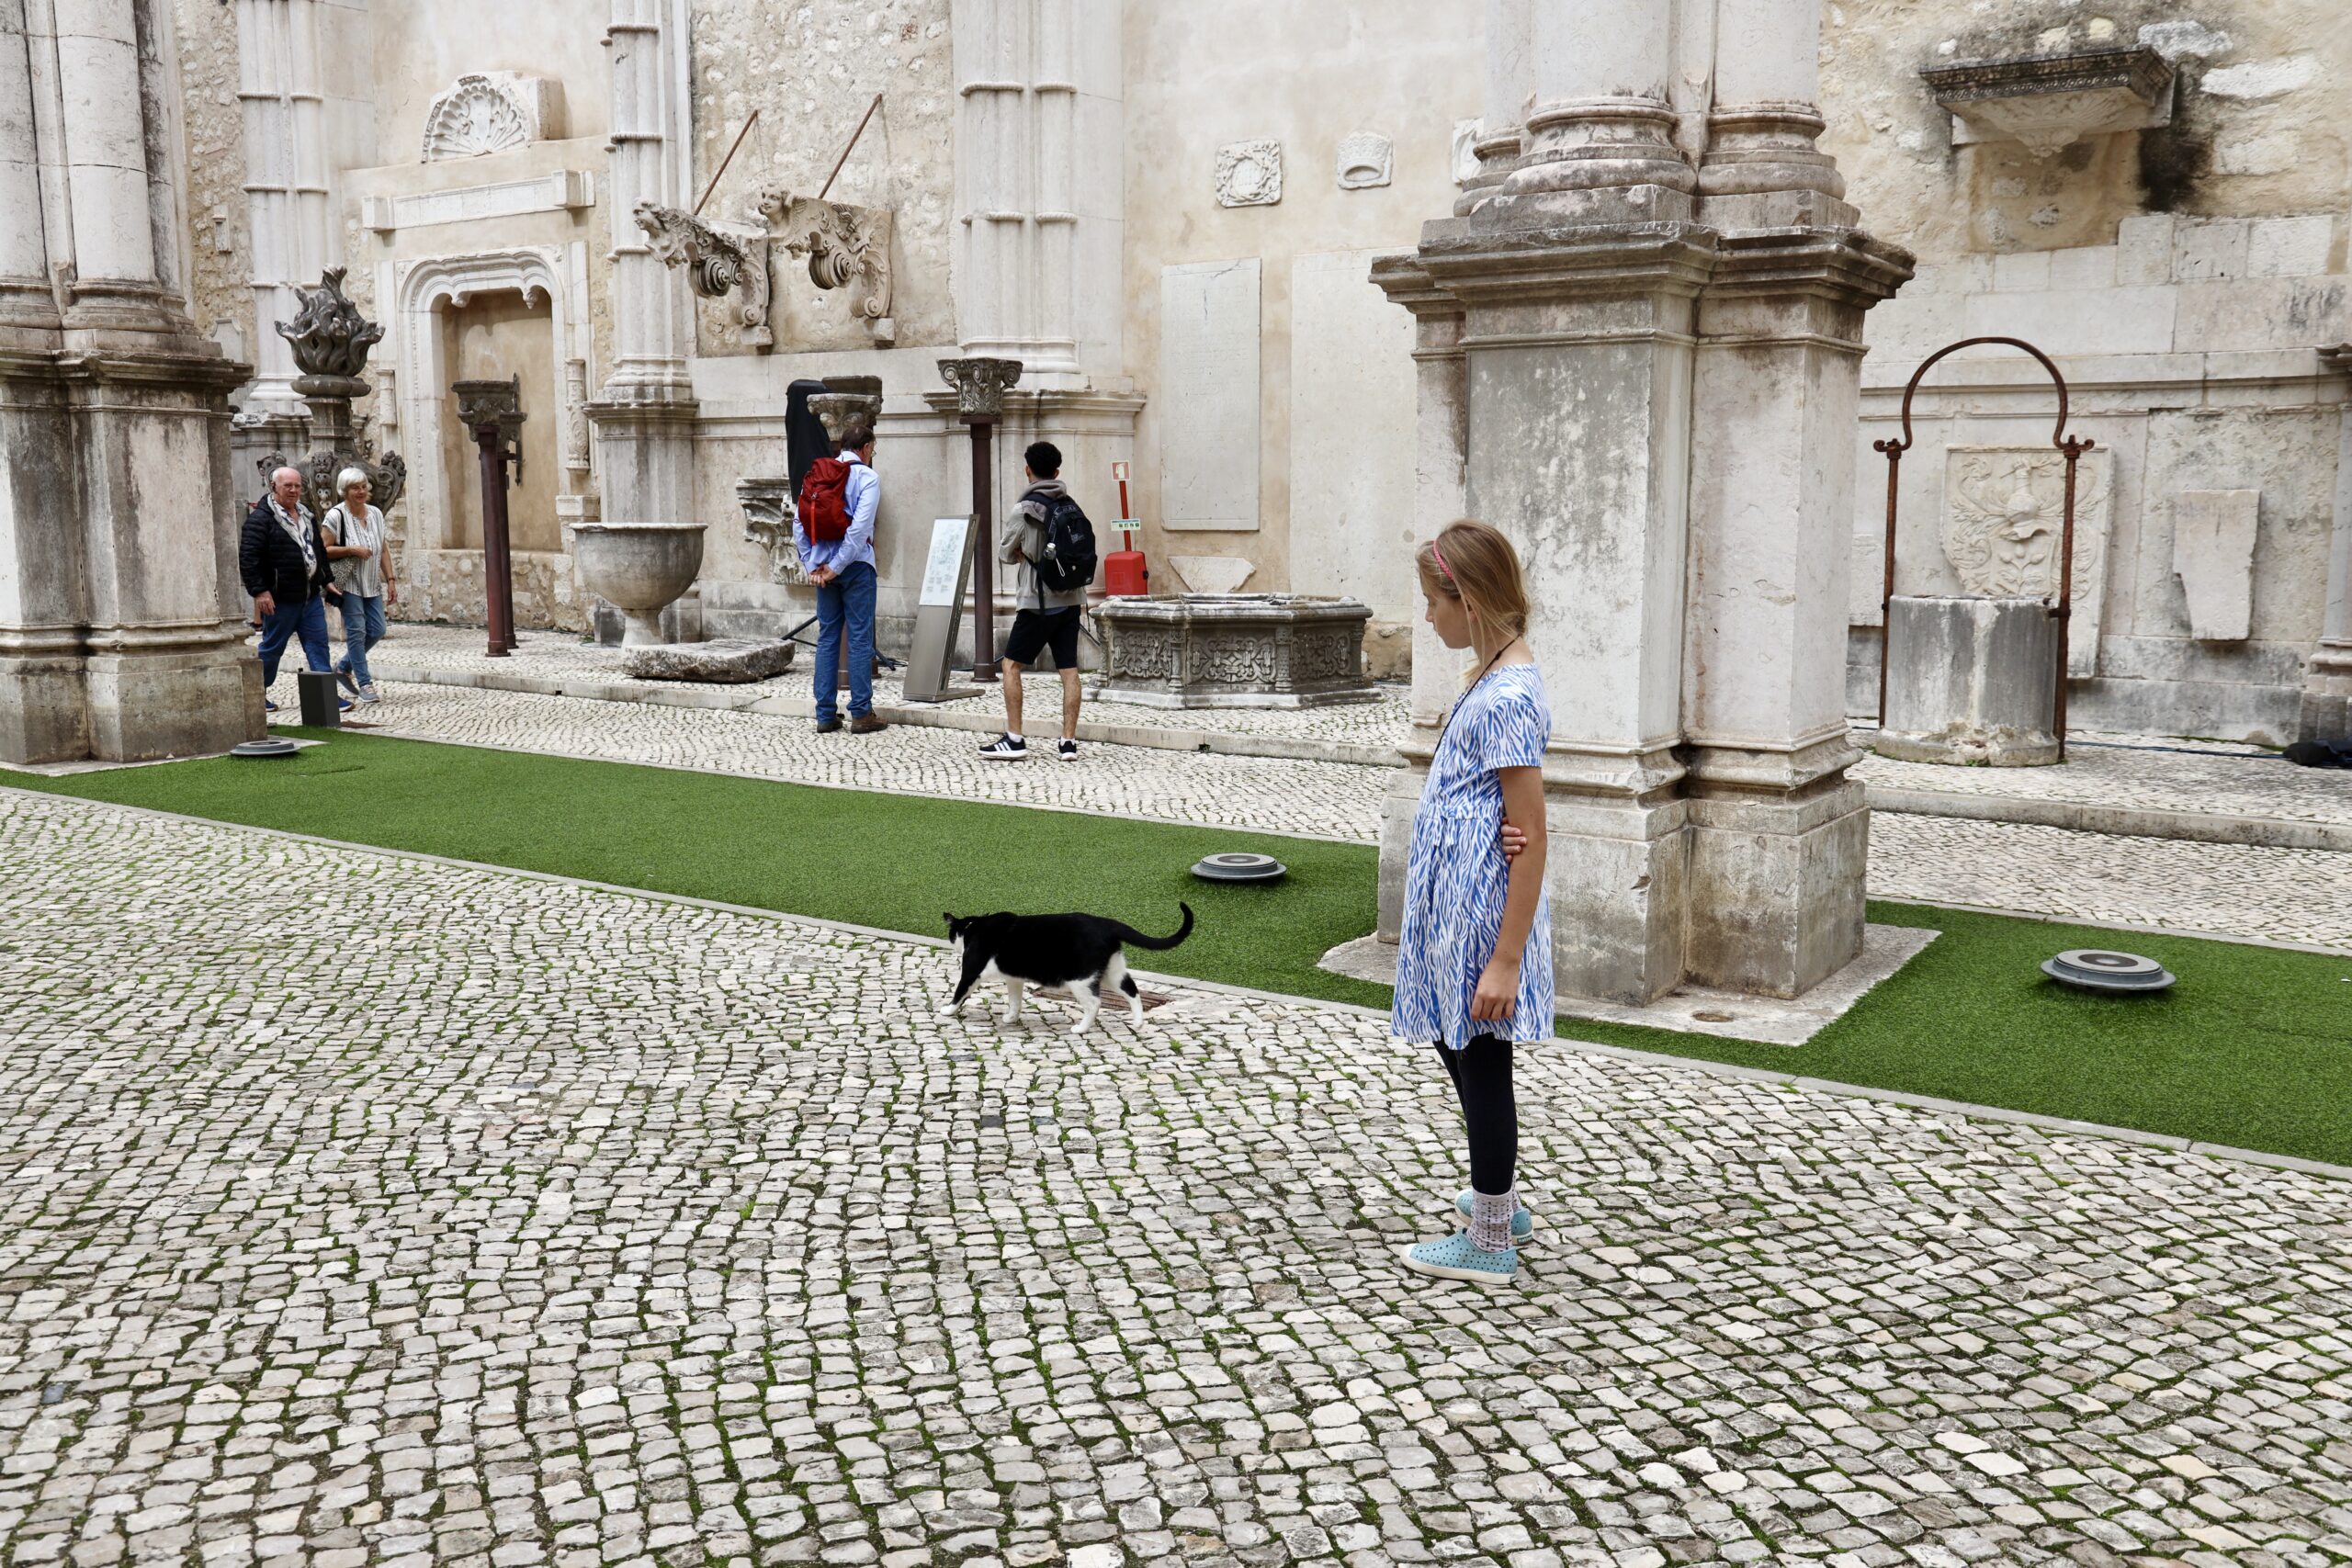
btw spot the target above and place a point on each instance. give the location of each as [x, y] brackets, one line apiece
[283, 559]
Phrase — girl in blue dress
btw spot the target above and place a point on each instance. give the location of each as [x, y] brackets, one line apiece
[1474, 960]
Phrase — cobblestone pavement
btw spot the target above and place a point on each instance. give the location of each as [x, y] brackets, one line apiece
[2298, 895]
[2302, 897]
[439, 647]
[1276, 795]
[635, 1232]
[2112, 772]
[2241, 783]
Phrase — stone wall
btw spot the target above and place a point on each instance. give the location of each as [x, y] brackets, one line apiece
[1332, 414]
[221, 249]
[2257, 129]
[810, 71]
[2181, 276]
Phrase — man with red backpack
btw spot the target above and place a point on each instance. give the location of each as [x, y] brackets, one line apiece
[833, 526]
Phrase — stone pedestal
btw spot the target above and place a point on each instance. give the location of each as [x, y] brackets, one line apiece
[2326, 709]
[1239, 650]
[1972, 681]
[1658, 304]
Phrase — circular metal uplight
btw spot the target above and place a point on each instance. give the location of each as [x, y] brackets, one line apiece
[271, 747]
[1239, 867]
[2099, 969]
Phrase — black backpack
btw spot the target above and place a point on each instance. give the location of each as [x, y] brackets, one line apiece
[1068, 558]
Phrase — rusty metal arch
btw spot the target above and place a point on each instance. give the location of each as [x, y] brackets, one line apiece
[2071, 446]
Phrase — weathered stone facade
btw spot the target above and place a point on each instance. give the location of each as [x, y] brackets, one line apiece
[1052, 178]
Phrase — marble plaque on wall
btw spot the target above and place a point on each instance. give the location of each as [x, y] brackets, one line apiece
[2004, 513]
[1208, 402]
[1351, 380]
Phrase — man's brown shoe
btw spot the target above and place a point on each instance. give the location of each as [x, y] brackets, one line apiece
[869, 724]
[826, 725]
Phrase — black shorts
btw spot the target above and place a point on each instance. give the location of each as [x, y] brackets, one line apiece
[1036, 630]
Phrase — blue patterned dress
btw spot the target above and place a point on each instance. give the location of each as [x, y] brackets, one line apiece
[1456, 878]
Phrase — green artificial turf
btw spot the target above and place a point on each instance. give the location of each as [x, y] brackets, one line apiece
[2253, 1048]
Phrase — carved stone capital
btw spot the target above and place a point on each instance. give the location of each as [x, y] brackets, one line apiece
[768, 513]
[980, 385]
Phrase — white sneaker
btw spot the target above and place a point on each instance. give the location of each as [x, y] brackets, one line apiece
[1005, 749]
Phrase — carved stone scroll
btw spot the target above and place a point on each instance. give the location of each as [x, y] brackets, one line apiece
[717, 261]
[767, 522]
[847, 247]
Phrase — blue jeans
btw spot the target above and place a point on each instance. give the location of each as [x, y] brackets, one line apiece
[308, 621]
[847, 597]
[363, 628]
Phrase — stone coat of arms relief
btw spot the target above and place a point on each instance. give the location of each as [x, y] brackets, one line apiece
[2005, 512]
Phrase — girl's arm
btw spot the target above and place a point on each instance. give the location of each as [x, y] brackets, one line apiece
[1497, 995]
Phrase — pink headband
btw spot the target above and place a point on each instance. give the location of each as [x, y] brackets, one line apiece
[1441, 561]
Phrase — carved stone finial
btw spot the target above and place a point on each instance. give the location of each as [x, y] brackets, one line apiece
[330, 339]
[717, 261]
[979, 386]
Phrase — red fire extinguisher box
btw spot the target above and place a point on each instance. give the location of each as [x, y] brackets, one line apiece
[1125, 574]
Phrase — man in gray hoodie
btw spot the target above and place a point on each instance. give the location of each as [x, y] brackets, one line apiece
[1043, 617]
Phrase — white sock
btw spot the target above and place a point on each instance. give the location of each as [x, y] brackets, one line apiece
[1490, 1215]
[1014, 736]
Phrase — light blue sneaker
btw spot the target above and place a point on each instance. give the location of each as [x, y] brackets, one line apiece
[1456, 1257]
[1523, 1223]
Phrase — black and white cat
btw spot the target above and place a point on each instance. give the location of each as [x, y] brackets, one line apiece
[1081, 953]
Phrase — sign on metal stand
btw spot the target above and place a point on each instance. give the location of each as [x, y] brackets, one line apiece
[938, 607]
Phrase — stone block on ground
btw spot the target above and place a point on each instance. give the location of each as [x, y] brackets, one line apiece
[726, 663]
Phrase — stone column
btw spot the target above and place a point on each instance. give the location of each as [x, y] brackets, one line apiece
[115, 575]
[289, 212]
[26, 298]
[644, 415]
[1604, 114]
[1766, 119]
[1779, 836]
[2326, 711]
[1039, 183]
[1510, 83]
[1440, 454]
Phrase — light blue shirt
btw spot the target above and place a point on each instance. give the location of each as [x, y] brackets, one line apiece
[863, 495]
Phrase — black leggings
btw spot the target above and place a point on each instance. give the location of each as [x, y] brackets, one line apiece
[1481, 1075]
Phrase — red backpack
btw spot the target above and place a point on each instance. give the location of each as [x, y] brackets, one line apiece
[824, 501]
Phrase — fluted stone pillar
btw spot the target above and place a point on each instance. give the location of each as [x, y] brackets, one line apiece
[644, 415]
[1038, 133]
[117, 579]
[2326, 708]
[1660, 310]
[289, 204]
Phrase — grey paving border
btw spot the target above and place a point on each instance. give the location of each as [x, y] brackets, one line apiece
[2129, 821]
[2040, 918]
[1791, 1081]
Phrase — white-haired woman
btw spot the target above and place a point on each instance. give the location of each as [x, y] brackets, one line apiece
[354, 532]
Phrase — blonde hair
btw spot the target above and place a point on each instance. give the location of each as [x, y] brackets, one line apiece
[1473, 562]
